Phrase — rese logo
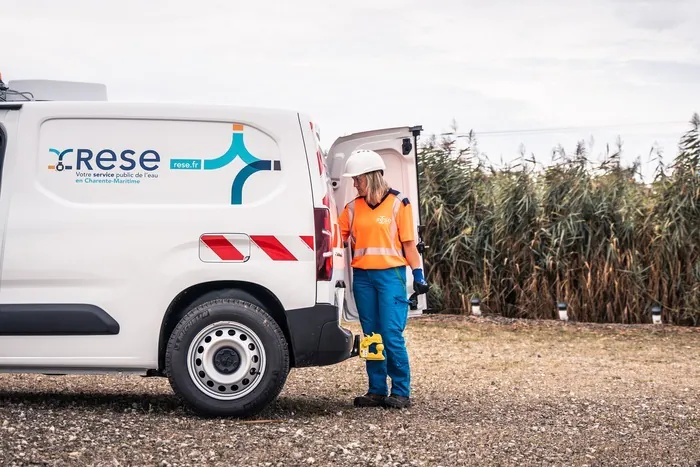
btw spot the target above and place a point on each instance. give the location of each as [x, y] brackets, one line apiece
[148, 160]
[107, 159]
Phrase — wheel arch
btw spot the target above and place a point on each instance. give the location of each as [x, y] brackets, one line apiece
[184, 300]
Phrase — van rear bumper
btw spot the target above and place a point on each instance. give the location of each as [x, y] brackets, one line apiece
[317, 339]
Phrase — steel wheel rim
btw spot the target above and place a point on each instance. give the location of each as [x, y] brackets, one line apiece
[212, 356]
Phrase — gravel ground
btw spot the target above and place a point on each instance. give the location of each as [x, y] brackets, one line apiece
[487, 392]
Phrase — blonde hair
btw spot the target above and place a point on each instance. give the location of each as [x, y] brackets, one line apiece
[376, 187]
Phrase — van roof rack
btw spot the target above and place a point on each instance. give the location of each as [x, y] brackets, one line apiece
[51, 90]
[7, 94]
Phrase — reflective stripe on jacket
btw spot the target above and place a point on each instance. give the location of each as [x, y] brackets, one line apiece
[375, 234]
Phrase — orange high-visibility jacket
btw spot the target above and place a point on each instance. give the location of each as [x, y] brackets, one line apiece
[375, 233]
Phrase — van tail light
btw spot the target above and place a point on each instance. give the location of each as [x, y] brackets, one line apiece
[319, 158]
[324, 242]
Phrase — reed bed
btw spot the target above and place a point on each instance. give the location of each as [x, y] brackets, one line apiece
[593, 235]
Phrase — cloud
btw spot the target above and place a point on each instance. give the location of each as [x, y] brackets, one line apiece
[658, 15]
[498, 65]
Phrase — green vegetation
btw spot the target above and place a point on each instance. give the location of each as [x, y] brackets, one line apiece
[594, 236]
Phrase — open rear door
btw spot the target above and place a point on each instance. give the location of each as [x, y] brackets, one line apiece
[398, 148]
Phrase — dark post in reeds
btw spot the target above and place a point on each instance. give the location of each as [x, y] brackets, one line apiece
[563, 315]
[656, 313]
[476, 306]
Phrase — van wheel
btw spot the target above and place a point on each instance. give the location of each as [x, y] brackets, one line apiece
[227, 357]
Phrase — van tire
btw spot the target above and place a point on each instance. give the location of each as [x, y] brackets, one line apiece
[226, 293]
[183, 366]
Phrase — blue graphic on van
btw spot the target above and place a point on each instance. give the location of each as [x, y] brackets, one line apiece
[237, 149]
[60, 166]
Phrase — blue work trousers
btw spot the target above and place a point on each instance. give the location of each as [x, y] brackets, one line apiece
[380, 295]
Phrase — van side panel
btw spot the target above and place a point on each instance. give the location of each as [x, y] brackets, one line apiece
[120, 207]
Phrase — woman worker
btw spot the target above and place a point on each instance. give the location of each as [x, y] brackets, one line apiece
[378, 225]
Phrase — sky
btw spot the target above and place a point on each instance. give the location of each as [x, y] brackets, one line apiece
[537, 73]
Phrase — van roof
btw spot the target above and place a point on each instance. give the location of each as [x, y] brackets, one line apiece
[152, 109]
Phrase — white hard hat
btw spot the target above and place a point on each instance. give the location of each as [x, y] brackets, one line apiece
[363, 161]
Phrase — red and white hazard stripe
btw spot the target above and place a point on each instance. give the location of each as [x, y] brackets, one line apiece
[241, 247]
[215, 248]
[283, 247]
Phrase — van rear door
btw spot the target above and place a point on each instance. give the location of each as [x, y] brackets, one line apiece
[398, 148]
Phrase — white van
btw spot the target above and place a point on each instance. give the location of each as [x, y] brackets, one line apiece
[194, 242]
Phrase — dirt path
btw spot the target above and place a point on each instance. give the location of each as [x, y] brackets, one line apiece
[486, 393]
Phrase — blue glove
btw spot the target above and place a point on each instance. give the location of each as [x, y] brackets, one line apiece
[419, 284]
[418, 275]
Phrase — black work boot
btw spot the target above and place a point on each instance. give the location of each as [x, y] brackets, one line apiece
[397, 402]
[369, 400]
